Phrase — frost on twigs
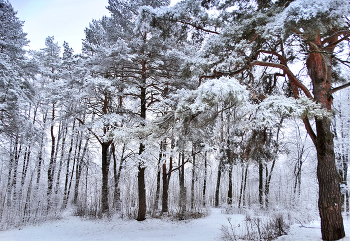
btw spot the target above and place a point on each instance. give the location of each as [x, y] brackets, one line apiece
[211, 93]
[269, 111]
[312, 14]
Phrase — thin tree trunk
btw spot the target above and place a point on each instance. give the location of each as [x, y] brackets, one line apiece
[51, 169]
[230, 189]
[241, 189]
[66, 183]
[193, 175]
[218, 180]
[261, 184]
[267, 184]
[117, 201]
[245, 185]
[183, 193]
[205, 178]
[156, 201]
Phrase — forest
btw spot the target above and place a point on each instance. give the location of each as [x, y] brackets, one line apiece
[171, 110]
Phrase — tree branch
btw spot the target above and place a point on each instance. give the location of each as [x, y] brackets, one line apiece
[188, 159]
[340, 87]
[193, 25]
[287, 71]
[98, 139]
[309, 129]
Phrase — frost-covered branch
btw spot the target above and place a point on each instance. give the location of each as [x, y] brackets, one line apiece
[289, 73]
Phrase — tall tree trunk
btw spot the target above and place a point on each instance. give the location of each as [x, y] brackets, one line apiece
[329, 203]
[141, 174]
[261, 184]
[64, 134]
[241, 189]
[156, 201]
[183, 192]
[51, 169]
[230, 189]
[218, 180]
[267, 183]
[105, 165]
[78, 171]
[205, 178]
[193, 174]
[116, 174]
[141, 188]
[66, 183]
[165, 189]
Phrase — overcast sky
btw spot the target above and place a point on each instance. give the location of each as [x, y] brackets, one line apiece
[64, 19]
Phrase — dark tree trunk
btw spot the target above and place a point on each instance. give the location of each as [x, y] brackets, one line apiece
[105, 165]
[66, 183]
[230, 190]
[217, 190]
[156, 201]
[193, 179]
[165, 190]
[267, 184]
[183, 192]
[141, 174]
[261, 184]
[245, 185]
[329, 203]
[141, 189]
[241, 189]
[205, 178]
[51, 169]
[117, 201]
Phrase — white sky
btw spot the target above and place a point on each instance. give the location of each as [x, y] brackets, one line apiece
[63, 19]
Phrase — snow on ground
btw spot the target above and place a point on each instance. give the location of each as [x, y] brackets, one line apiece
[74, 229]
[311, 232]
[208, 228]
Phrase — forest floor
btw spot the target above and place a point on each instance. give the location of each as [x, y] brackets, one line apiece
[208, 228]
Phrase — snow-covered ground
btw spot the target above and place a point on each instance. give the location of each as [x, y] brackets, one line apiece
[208, 228]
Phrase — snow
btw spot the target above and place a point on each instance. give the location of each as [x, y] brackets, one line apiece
[75, 229]
[208, 228]
[311, 232]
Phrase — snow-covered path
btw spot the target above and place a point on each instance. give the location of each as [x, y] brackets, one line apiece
[204, 229]
[74, 229]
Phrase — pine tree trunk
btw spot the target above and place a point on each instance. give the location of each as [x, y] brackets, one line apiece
[245, 186]
[205, 178]
[116, 196]
[165, 190]
[329, 203]
[156, 201]
[104, 193]
[183, 192]
[229, 193]
[261, 184]
[66, 183]
[51, 169]
[193, 175]
[141, 174]
[217, 190]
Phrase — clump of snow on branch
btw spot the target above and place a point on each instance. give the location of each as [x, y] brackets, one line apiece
[300, 11]
[269, 112]
[218, 90]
